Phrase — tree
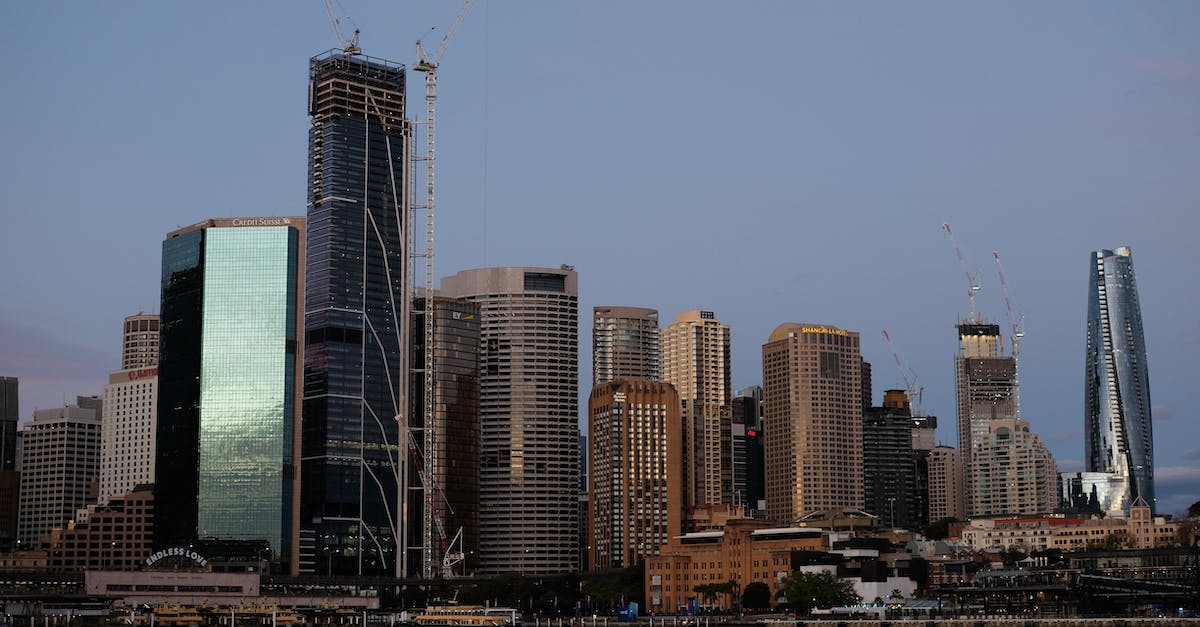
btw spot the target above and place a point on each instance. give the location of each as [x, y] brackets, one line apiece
[939, 530]
[756, 596]
[1012, 555]
[1193, 510]
[1117, 540]
[805, 591]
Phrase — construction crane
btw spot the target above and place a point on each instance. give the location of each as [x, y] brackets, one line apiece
[1016, 323]
[433, 523]
[972, 281]
[911, 384]
[349, 48]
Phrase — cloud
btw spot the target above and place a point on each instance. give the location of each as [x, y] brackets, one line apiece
[1067, 436]
[50, 368]
[1192, 454]
[1175, 488]
[1161, 413]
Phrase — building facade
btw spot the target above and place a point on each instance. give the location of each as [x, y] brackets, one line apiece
[453, 466]
[634, 488]
[985, 384]
[10, 411]
[895, 462]
[748, 474]
[60, 456]
[626, 344]
[1013, 472]
[130, 418]
[812, 415]
[1118, 430]
[947, 494]
[696, 361]
[139, 342]
[118, 535]
[230, 383]
[1136, 529]
[355, 319]
[528, 405]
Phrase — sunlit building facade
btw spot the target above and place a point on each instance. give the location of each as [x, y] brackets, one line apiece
[626, 344]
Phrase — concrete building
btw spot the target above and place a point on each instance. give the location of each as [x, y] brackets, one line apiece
[117, 535]
[528, 404]
[231, 384]
[139, 342]
[129, 420]
[947, 495]
[1014, 473]
[60, 456]
[1118, 427]
[985, 383]
[626, 344]
[696, 362]
[896, 462]
[1137, 529]
[635, 498]
[812, 415]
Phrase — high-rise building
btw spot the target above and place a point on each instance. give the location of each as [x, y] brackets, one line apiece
[747, 411]
[812, 414]
[1013, 472]
[9, 416]
[139, 345]
[60, 454]
[634, 483]
[696, 362]
[1118, 433]
[626, 344]
[230, 383]
[895, 462]
[528, 405]
[453, 467]
[947, 495]
[985, 386]
[129, 419]
[867, 391]
[356, 305]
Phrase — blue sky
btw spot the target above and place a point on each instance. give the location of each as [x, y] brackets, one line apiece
[771, 161]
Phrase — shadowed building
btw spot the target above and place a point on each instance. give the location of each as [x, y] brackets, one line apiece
[895, 462]
[139, 342]
[60, 455]
[947, 495]
[626, 344]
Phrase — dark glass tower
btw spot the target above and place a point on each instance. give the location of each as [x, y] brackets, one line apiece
[355, 358]
[9, 414]
[1117, 425]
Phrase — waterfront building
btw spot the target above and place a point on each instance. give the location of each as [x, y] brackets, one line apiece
[1013, 472]
[139, 342]
[127, 435]
[985, 384]
[453, 464]
[634, 485]
[230, 383]
[812, 414]
[355, 318]
[696, 361]
[626, 344]
[895, 462]
[528, 405]
[60, 455]
[947, 495]
[1138, 528]
[1118, 429]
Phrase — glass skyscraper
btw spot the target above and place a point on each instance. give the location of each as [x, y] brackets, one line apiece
[355, 312]
[1117, 425]
[229, 383]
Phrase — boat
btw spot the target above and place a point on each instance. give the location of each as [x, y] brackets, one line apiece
[459, 616]
[167, 615]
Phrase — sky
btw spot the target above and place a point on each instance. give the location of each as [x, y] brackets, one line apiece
[769, 161]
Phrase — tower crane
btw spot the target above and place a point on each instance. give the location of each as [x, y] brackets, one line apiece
[349, 48]
[428, 65]
[1016, 323]
[972, 281]
[911, 384]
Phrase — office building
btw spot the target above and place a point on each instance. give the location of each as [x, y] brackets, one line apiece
[696, 362]
[230, 383]
[1013, 472]
[529, 412]
[453, 463]
[896, 462]
[626, 344]
[947, 494]
[355, 313]
[10, 413]
[130, 417]
[139, 342]
[748, 474]
[1118, 430]
[60, 455]
[867, 390]
[985, 385]
[812, 414]
[634, 482]
[117, 535]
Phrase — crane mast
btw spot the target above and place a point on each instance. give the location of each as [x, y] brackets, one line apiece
[911, 385]
[973, 286]
[1016, 323]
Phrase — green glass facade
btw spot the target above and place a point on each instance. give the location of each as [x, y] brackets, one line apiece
[227, 443]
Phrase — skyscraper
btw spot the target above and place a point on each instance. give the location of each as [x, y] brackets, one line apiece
[947, 496]
[60, 451]
[696, 362]
[355, 312]
[634, 482]
[129, 419]
[139, 343]
[230, 383]
[528, 405]
[1013, 472]
[895, 462]
[1118, 434]
[626, 344]
[812, 415]
[984, 386]
[9, 415]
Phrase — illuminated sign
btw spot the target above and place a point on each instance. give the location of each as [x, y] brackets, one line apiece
[619, 397]
[707, 315]
[826, 330]
[143, 373]
[177, 551]
[261, 222]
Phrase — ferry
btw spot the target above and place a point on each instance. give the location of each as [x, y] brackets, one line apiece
[460, 616]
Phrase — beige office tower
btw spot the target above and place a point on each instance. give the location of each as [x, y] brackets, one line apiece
[696, 361]
[634, 440]
[984, 386]
[812, 415]
[127, 434]
[626, 344]
[140, 346]
[1014, 473]
[529, 420]
[60, 453]
[947, 496]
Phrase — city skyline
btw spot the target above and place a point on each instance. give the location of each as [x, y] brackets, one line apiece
[871, 128]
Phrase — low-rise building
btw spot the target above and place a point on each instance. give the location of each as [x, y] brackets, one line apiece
[116, 536]
[1139, 530]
